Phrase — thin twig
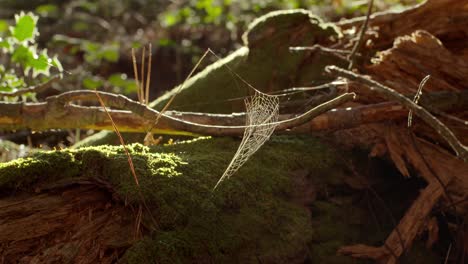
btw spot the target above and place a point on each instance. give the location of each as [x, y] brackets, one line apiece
[417, 96]
[387, 92]
[448, 254]
[319, 48]
[358, 45]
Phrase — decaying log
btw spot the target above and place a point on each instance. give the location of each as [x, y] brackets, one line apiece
[445, 19]
[416, 55]
[391, 94]
[78, 224]
[446, 176]
[427, 40]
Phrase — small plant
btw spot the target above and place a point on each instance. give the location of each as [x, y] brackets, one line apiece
[21, 61]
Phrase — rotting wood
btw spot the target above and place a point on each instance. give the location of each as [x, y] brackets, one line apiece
[76, 223]
[390, 94]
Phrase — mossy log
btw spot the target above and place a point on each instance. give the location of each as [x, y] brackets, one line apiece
[266, 184]
[289, 204]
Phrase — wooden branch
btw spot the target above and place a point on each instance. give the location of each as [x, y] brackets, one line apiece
[59, 112]
[390, 94]
[38, 116]
[358, 44]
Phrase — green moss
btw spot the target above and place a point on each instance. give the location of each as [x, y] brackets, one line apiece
[44, 166]
[249, 216]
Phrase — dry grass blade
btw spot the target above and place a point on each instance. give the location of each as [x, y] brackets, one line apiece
[148, 75]
[135, 73]
[142, 83]
[130, 161]
[132, 169]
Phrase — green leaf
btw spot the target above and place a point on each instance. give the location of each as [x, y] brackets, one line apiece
[170, 19]
[92, 83]
[165, 42]
[110, 52]
[27, 57]
[117, 79]
[5, 44]
[3, 26]
[120, 80]
[22, 54]
[80, 26]
[9, 82]
[25, 28]
[56, 63]
[40, 64]
[47, 10]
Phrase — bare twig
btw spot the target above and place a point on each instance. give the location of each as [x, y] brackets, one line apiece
[417, 96]
[390, 94]
[358, 45]
[326, 50]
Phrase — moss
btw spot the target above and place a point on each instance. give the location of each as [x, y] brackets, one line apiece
[109, 138]
[43, 166]
[246, 219]
[249, 216]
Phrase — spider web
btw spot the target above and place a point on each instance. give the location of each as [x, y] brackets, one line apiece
[262, 111]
